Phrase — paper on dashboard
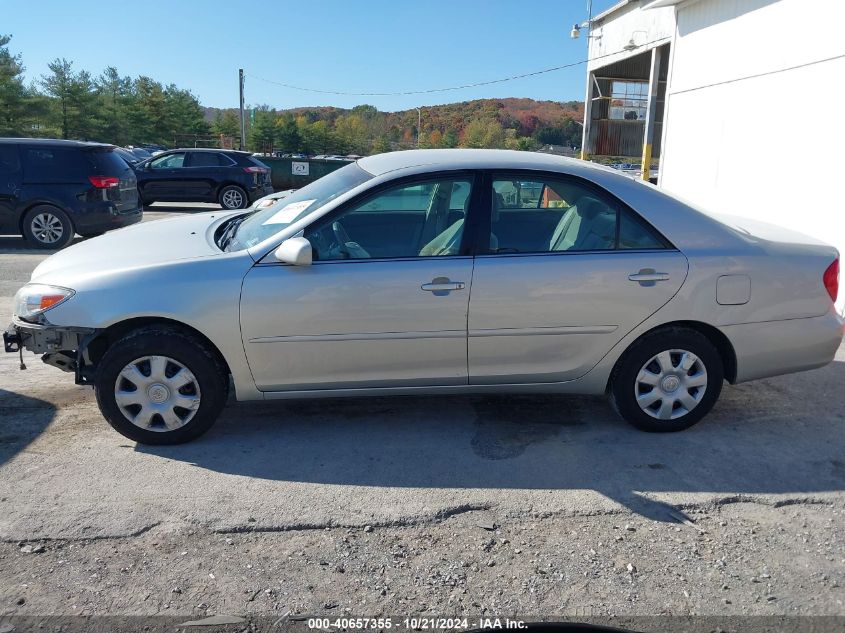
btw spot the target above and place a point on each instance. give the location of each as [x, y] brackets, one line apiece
[288, 213]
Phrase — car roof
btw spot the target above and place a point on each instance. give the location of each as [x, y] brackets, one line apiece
[206, 149]
[449, 159]
[53, 142]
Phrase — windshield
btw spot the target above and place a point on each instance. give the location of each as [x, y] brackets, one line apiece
[262, 224]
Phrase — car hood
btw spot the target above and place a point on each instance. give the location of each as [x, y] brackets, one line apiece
[140, 245]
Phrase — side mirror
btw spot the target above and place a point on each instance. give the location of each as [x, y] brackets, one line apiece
[295, 251]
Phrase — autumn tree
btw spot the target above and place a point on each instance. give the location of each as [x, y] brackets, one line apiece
[481, 133]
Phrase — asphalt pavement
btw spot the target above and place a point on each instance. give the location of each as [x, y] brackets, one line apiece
[404, 461]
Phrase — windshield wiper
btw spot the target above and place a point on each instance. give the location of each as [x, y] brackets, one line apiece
[229, 233]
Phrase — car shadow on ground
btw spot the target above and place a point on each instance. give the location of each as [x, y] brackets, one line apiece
[778, 436]
[22, 420]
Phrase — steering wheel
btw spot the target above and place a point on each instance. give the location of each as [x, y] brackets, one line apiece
[351, 248]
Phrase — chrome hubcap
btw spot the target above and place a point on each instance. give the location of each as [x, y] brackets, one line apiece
[47, 228]
[157, 393]
[671, 384]
[233, 199]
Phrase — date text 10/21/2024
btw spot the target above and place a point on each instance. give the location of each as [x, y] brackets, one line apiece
[422, 623]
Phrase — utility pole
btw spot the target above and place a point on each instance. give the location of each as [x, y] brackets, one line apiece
[588, 98]
[243, 121]
[419, 125]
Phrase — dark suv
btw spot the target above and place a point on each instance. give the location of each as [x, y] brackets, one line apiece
[232, 179]
[51, 189]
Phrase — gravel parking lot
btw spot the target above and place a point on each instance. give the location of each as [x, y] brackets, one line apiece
[444, 505]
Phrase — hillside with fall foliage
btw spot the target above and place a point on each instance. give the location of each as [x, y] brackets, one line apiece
[515, 123]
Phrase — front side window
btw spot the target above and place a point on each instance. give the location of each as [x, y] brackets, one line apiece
[537, 215]
[414, 220]
[171, 161]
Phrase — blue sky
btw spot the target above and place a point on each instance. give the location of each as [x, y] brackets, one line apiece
[344, 45]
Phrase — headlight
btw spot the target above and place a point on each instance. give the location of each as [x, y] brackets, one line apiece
[33, 299]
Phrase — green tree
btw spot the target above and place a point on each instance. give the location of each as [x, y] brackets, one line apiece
[288, 137]
[351, 134]
[183, 115]
[316, 136]
[13, 94]
[381, 145]
[450, 139]
[147, 112]
[226, 122]
[115, 92]
[484, 133]
[262, 133]
[75, 97]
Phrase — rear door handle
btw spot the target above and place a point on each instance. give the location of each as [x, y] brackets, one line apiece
[648, 277]
[442, 286]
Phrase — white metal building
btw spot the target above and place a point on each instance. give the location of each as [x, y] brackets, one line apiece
[743, 101]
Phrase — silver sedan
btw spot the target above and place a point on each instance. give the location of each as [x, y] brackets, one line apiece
[436, 272]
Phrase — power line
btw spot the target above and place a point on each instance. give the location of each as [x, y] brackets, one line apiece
[451, 88]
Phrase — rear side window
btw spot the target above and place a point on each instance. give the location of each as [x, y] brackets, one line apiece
[207, 159]
[539, 215]
[55, 164]
[9, 161]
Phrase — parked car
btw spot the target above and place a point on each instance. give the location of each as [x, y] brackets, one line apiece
[127, 155]
[232, 179]
[583, 281]
[53, 189]
[140, 152]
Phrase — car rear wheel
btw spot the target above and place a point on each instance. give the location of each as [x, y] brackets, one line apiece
[233, 197]
[46, 226]
[668, 380]
[160, 385]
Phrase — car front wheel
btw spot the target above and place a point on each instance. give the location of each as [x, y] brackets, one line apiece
[160, 385]
[233, 197]
[668, 380]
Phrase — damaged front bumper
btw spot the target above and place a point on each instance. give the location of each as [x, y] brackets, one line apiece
[62, 347]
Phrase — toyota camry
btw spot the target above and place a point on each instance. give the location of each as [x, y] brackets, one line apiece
[433, 272]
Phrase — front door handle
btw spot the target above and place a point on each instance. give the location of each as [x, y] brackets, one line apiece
[648, 277]
[442, 286]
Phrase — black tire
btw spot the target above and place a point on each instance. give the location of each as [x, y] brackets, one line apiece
[625, 386]
[46, 226]
[233, 197]
[184, 348]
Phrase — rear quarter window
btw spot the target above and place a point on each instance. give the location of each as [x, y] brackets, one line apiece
[258, 163]
[107, 163]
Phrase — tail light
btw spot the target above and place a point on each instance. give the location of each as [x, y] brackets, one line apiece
[256, 170]
[104, 182]
[831, 280]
